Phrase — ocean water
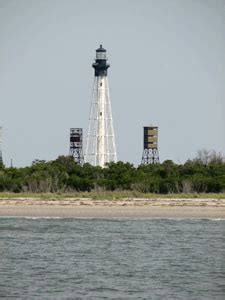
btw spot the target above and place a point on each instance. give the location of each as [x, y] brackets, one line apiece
[112, 259]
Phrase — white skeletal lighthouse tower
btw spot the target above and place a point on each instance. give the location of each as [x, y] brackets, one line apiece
[100, 145]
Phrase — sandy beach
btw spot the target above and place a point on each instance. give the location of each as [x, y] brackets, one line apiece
[135, 208]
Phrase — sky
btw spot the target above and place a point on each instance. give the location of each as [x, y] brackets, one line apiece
[167, 69]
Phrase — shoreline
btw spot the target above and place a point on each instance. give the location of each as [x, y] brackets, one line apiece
[124, 208]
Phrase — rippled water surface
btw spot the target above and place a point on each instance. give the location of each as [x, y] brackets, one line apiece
[112, 259]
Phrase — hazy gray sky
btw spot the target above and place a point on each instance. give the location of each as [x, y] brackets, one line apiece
[167, 68]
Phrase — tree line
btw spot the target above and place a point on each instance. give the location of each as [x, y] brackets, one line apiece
[203, 174]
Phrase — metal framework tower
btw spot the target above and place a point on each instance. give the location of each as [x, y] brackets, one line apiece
[100, 144]
[150, 153]
[76, 145]
[1, 160]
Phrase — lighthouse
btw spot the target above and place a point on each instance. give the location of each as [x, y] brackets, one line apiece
[100, 143]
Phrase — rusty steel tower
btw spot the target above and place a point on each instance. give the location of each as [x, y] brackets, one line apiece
[1, 160]
[150, 152]
[76, 145]
[100, 145]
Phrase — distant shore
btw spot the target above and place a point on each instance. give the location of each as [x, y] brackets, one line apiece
[135, 208]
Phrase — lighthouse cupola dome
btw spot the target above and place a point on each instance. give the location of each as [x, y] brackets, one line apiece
[100, 53]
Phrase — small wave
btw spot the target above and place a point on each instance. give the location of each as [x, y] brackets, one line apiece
[37, 218]
[30, 218]
[217, 219]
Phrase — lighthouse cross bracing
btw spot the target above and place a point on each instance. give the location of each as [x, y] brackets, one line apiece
[100, 144]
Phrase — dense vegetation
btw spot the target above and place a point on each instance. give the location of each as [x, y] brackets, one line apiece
[204, 174]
